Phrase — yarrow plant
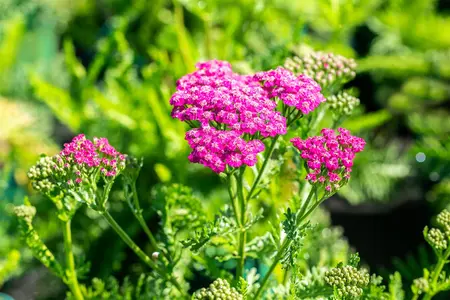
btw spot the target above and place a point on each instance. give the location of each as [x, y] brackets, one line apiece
[249, 129]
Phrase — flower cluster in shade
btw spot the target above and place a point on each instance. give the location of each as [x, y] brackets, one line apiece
[329, 157]
[325, 68]
[79, 161]
[233, 112]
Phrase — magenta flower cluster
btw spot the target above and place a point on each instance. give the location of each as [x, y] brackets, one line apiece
[85, 155]
[300, 92]
[218, 148]
[234, 111]
[329, 157]
[215, 95]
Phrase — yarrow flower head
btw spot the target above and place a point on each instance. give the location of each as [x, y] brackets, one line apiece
[325, 68]
[93, 156]
[329, 157]
[219, 289]
[300, 92]
[214, 95]
[234, 112]
[76, 164]
[217, 149]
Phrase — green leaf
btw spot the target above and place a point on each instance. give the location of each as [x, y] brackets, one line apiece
[58, 100]
[367, 121]
[395, 287]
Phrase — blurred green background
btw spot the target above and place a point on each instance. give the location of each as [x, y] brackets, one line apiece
[108, 68]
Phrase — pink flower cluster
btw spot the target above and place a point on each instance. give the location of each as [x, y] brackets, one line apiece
[230, 107]
[300, 92]
[215, 95]
[329, 157]
[218, 148]
[83, 154]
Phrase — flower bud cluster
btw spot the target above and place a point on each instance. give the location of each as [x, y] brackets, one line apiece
[342, 103]
[41, 173]
[437, 239]
[25, 213]
[234, 112]
[443, 219]
[76, 164]
[420, 285]
[329, 157]
[325, 68]
[219, 289]
[348, 280]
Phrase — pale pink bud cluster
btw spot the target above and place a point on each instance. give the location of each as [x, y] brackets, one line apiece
[300, 92]
[217, 149]
[329, 157]
[86, 155]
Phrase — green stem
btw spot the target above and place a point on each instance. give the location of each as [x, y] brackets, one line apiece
[284, 246]
[232, 195]
[137, 212]
[263, 167]
[70, 263]
[124, 236]
[317, 120]
[277, 258]
[436, 272]
[307, 201]
[415, 297]
[242, 233]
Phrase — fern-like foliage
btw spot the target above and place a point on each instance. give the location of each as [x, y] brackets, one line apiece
[375, 174]
[145, 287]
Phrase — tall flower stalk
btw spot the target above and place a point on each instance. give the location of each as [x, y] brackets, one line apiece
[235, 117]
[71, 272]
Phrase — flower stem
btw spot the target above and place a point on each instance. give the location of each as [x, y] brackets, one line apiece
[242, 232]
[263, 167]
[436, 272]
[124, 236]
[70, 262]
[285, 245]
[277, 258]
[232, 194]
[137, 212]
